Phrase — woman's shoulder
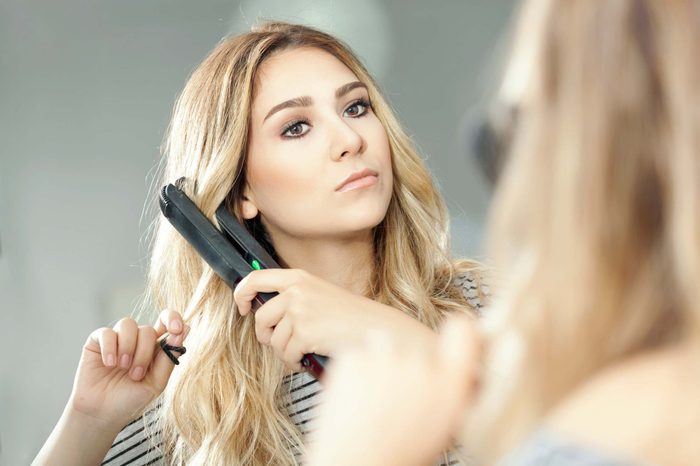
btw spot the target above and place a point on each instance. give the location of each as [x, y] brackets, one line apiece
[138, 443]
[649, 400]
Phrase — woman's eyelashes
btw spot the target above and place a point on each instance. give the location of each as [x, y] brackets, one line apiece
[358, 108]
[296, 129]
[300, 127]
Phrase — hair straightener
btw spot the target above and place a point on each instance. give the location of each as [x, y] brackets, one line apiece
[232, 254]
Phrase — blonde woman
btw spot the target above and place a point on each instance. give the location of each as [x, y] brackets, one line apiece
[593, 356]
[287, 127]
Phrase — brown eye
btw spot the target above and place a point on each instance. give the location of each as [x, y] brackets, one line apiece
[296, 129]
[357, 109]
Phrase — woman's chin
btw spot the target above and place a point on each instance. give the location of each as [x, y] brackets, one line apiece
[360, 221]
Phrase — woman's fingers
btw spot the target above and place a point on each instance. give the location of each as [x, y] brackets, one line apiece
[127, 333]
[288, 346]
[137, 350]
[130, 347]
[169, 321]
[293, 353]
[143, 355]
[268, 317]
[264, 281]
[162, 365]
[172, 323]
[104, 341]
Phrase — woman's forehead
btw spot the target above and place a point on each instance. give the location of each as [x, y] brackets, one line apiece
[299, 72]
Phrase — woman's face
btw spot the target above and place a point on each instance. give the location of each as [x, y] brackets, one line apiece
[312, 130]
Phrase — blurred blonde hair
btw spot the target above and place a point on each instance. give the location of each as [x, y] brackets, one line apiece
[225, 406]
[596, 223]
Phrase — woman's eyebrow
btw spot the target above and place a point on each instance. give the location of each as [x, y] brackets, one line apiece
[306, 101]
[344, 89]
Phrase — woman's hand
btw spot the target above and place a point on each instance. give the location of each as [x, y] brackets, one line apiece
[311, 315]
[123, 369]
[388, 403]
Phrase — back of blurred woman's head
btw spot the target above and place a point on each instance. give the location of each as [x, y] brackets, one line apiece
[596, 221]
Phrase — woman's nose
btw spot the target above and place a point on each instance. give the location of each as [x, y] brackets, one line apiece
[347, 141]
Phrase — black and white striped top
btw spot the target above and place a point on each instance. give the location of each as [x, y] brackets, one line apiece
[134, 448]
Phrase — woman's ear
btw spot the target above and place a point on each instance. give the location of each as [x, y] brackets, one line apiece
[248, 207]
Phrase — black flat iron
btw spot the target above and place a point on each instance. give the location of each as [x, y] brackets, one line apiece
[232, 254]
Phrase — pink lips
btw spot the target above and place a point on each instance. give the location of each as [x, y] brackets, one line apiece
[357, 180]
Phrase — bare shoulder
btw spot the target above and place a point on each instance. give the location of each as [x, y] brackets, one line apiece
[642, 409]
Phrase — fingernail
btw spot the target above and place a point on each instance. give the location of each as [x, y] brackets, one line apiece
[177, 327]
[125, 360]
[110, 360]
[137, 373]
[179, 339]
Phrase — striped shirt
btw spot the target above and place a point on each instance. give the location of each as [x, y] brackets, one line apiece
[134, 447]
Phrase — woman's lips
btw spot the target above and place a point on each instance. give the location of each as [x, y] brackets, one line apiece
[367, 180]
[359, 179]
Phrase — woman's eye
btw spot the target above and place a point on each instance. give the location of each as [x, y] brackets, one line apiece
[357, 109]
[296, 129]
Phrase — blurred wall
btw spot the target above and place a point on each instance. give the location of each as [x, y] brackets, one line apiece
[86, 90]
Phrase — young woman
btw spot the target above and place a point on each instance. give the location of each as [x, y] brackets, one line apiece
[594, 352]
[285, 126]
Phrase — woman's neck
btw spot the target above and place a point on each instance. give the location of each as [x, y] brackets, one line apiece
[346, 262]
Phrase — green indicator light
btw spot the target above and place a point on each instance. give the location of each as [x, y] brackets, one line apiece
[255, 264]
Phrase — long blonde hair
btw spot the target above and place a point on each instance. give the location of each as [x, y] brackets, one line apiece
[596, 223]
[224, 406]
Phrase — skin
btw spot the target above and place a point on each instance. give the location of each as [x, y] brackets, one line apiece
[631, 412]
[121, 371]
[437, 383]
[293, 173]
[322, 234]
[298, 156]
[640, 423]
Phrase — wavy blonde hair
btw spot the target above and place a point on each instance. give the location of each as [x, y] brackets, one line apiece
[597, 218]
[225, 403]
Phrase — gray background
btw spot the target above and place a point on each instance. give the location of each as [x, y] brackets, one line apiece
[86, 90]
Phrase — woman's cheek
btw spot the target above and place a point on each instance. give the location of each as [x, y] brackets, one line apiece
[286, 186]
